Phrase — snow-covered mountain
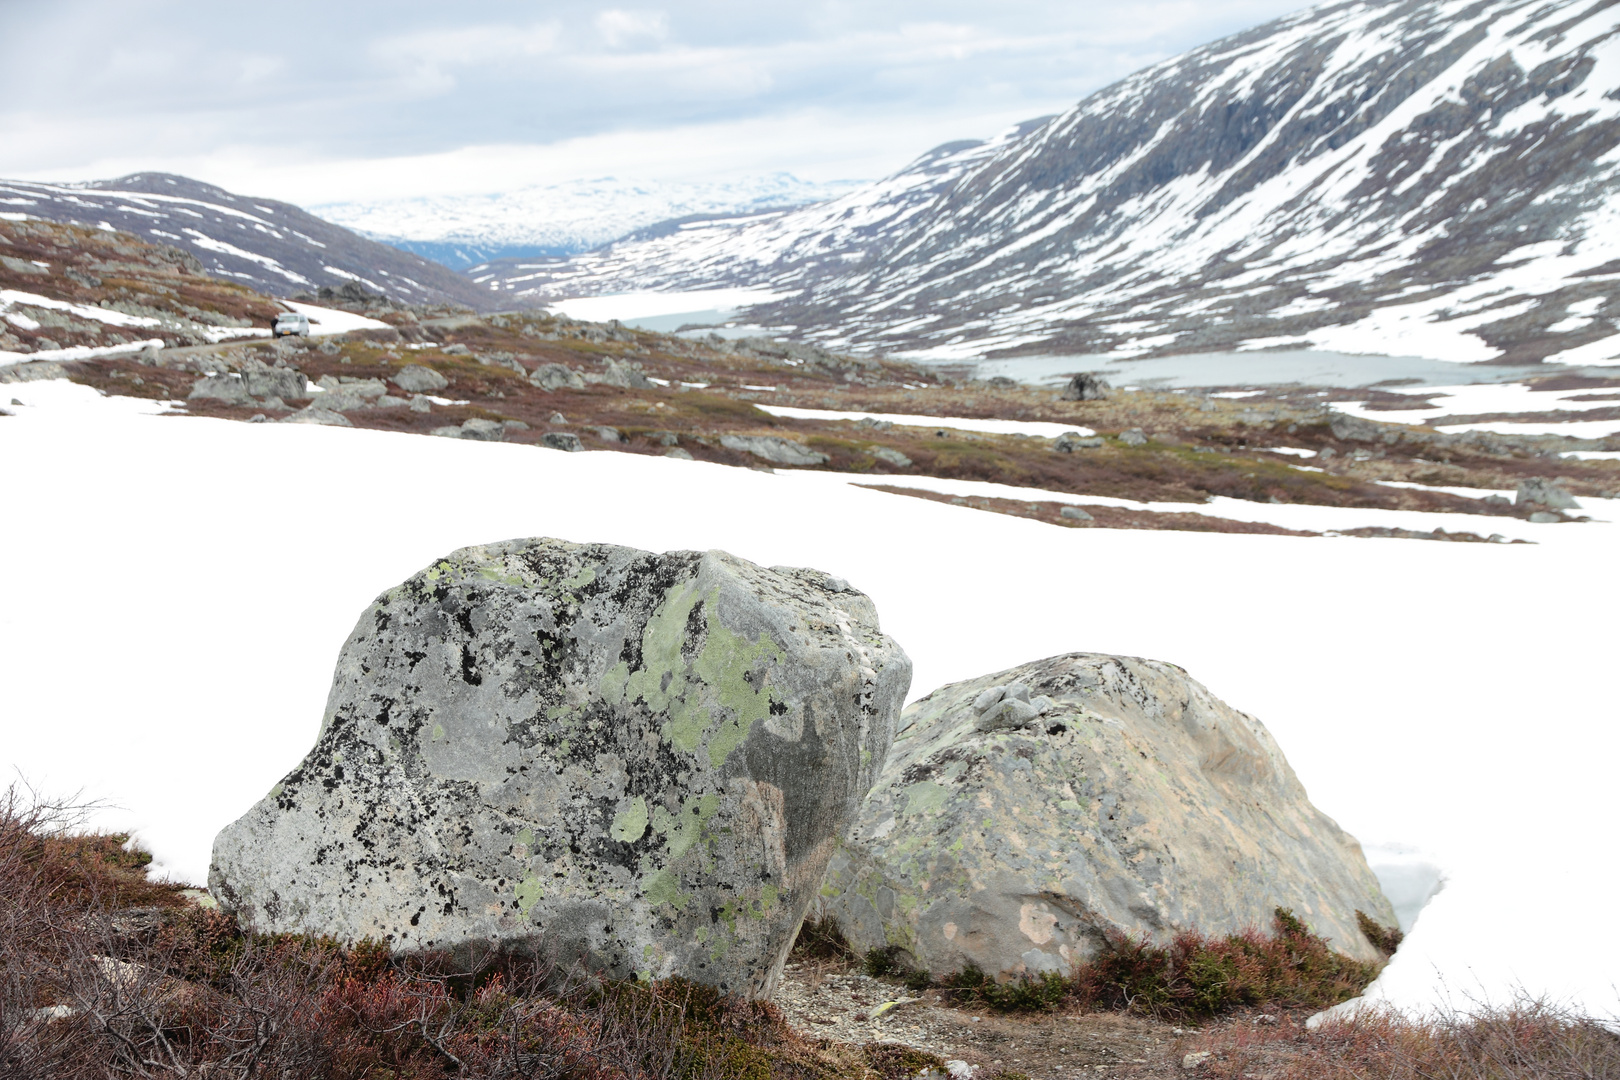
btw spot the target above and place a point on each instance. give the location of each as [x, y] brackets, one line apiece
[273, 247]
[561, 219]
[1424, 177]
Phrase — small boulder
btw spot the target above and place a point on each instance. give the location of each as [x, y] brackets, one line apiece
[313, 414]
[610, 434]
[1133, 437]
[637, 764]
[891, 455]
[417, 379]
[1074, 513]
[1086, 386]
[1070, 441]
[263, 381]
[224, 388]
[556, 377]
[1543, 492]
[1023, 816]
[773, 449]
[562, 440]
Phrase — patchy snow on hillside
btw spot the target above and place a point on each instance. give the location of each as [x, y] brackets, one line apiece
[1454, 699]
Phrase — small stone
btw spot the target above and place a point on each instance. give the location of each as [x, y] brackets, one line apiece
[892, 456]
[1074, 513]
[389, 401]
[514, 425]
[1325, 454]
[1544, 517]
[1540, 491]
[415, 378]
[1070, 441]
[1195, 1059]
[315, 415]
[1133, 437]
[483, 430]
[420, 403]
[609, 434]
[677, 452]
[258, 418]
[556, 418]
[1086, 386]
[556, 377]
[562, 440]
[456, 350]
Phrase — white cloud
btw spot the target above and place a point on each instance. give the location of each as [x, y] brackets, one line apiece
[620, 28]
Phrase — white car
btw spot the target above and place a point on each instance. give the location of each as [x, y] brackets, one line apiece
[289, 323]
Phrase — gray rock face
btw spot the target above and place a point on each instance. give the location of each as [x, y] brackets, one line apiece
[1086, 386]
[226, 388]
[562, 440]
[1540, 491]
[1070, 441]
[1023, 815]
[313, 414]
[644, 761]
[417, 379]
[556, 377]
[775, 450]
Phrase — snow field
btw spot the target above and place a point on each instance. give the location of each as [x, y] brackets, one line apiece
[324, 321]
[1481, 398]
[183, 586]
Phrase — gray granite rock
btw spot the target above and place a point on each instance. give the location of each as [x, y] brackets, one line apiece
[1540, 491]
[562, 440]
[640, 763]
[556, 377]
[1024, 815]
[776, 450]
[419, 379]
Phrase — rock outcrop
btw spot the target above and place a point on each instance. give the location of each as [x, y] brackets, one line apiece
[638, 763]
[1025, 815]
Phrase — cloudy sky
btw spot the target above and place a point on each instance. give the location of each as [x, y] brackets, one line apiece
[314, 102]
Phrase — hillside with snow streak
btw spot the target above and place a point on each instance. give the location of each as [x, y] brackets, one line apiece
[1428, 177]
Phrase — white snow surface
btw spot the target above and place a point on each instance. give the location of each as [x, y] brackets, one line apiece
[1039, 428]
[649, 304]
[174, 655]
[573, 216]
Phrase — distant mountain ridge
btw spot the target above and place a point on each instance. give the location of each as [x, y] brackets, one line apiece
[1427, 177]
[561, 219]
[273, 246]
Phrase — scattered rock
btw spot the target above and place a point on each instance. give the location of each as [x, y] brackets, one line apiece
[892, 456]
[456, 350]
[556, 418]
[1195, 1059]
[418, 379]
[562, 440]
[610, 434]
[1022, 815]
[773, 449]
[621, 373]
[677, 452]
[665, 438]
[1074, 513]
[638, 763]
[514, 425]
[556, 377]
[419, 403]
[1545, 517]
[1540, 491]
[314, 414]
[1086, 386]
[1070, 441]
[476, 429]
[226, 388]
[1133, 437]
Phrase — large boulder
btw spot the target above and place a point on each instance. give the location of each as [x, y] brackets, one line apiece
[1025, 815]
[638, 763]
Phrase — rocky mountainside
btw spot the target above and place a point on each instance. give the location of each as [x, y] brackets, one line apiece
[271, 246]
[1420, 177]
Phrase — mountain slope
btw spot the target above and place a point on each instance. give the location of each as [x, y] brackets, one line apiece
[559, 219]
[1430, 177]
[271, 246]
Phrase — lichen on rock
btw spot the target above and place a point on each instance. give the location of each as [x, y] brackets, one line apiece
[1024, 816]
[636, 763]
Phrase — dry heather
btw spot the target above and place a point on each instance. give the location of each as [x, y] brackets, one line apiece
[105, 973]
